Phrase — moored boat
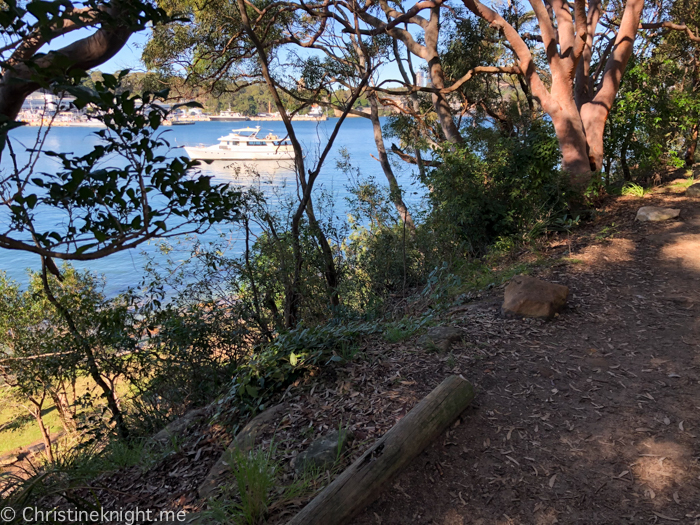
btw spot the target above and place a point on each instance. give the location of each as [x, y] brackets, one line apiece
[244, 144]
[228, 116]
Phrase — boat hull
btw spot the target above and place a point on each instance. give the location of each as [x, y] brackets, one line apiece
[219, 118]
[196, 153]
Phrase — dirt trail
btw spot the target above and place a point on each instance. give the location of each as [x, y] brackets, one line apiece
[591, 418]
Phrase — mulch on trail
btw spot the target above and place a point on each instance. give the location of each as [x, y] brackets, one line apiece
[591, 418]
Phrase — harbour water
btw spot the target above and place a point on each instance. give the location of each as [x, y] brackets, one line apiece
[125, 269]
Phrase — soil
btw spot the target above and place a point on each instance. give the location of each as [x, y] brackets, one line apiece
[592, 417]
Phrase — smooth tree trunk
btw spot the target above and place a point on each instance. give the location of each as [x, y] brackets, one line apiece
[570, 133]
[691, 147]
[394, 188]
[437, 77]
[578, 114]
[36, 410]
[594, 112]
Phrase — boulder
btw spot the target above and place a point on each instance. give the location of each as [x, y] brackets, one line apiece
[693, 191]
[529, 297]
[655, 214]
[440, 338]
[178, 426]
[323, 452]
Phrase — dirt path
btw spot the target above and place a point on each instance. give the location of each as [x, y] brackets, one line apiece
[591, 418]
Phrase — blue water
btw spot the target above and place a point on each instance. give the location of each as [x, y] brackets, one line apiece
[125, 269]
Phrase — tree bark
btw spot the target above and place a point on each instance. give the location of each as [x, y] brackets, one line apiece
[394, 188]
[594, 114]
[330, 271]
[39, 417]
[578, 115]
[691, 148]
[437, 77]
[570, 133]
[85, 53]
[362, 482]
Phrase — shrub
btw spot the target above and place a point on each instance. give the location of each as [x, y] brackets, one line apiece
[497, 187]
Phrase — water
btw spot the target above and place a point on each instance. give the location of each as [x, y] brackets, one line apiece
[125, 269]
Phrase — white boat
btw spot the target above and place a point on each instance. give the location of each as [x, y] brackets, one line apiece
[317, 112]
[244, 144]
[228, 116]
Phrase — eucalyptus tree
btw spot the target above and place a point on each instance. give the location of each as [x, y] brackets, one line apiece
[572, 61]
[244, 43]
[27, 27]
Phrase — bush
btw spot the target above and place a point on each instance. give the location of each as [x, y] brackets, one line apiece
[497, 187]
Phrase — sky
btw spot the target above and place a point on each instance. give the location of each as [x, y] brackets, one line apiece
[129, 57]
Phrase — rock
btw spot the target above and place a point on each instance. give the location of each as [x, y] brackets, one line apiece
[529, 297]
[244, 441]
[693, 191]
[441, 338]
[178, 426]
[655, 214]
[323, 452]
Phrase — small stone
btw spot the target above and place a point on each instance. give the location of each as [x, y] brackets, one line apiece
[441, 338]
[323, 452]
[529, 297]
[655, 214]
[693, 191]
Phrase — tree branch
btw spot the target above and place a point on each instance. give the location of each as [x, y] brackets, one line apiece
[671, 26]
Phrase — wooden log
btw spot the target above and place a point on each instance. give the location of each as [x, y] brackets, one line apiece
[362, 481]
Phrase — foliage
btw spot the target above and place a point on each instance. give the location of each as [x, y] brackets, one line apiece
[255, 473]
[655, 112]
[42, 355]
[194, 348]
[122, 193]
[631, 188]
[404, 328]
[499, 186]
[271, 367]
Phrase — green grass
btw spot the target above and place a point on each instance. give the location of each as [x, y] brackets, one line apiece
[685, 184]
[19, 428]
[257, 488]
[633, 189]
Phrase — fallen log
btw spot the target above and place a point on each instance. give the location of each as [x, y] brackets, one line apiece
[360, 484]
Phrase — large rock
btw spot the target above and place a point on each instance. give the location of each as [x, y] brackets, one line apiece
[323, 452]
[655, 214]
[179, 426]
[244, 441]
[693, 191]
[440, 338]
[529, 297]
